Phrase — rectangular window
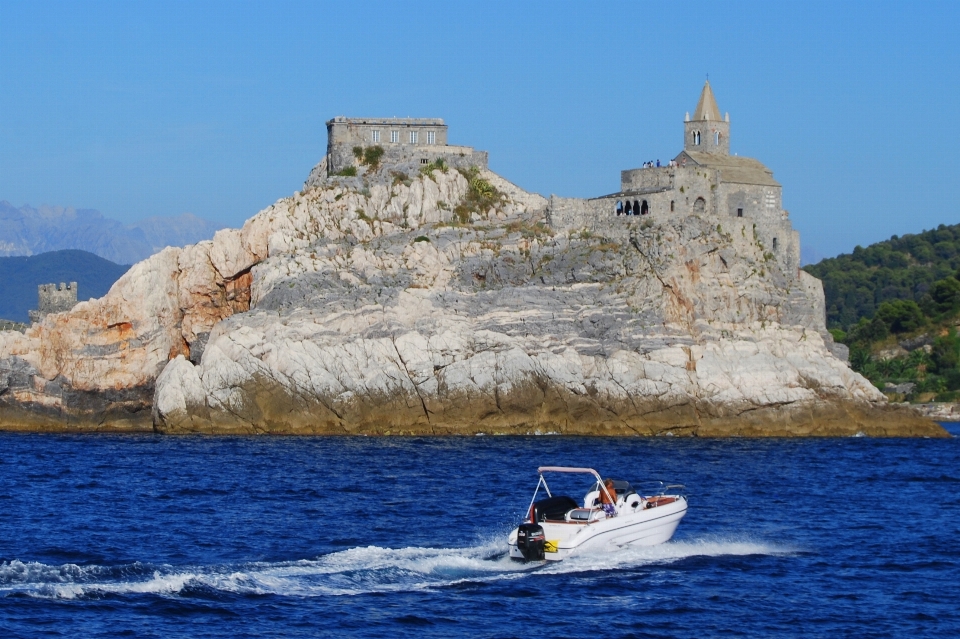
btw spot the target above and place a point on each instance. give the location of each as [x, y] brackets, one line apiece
[424, 161]
[413, 137]
[739, 212]
[394, 136]
[431, 137]
[375, 136]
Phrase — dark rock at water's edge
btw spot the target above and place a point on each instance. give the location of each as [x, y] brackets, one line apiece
[29, 403]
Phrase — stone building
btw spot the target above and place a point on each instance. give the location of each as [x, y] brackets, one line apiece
[703, 179]
[52, 298]
[403, 140]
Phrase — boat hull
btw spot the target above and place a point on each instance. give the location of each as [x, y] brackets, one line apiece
[647, 527]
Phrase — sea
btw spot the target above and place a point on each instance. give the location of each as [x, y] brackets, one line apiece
[159, 536]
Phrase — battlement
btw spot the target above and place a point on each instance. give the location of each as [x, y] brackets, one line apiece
[54, 298]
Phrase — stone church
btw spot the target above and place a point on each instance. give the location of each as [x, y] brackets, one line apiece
[703, 179]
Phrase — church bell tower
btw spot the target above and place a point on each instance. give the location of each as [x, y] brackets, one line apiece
[707, 132]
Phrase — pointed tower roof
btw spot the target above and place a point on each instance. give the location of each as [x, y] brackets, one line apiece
[707, 108]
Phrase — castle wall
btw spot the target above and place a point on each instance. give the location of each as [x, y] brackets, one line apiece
[647, 179]
[570, 213]
[671, 190]
[758, 202]
[776, 236]
[695, 183]
[393, 135]
[462, 157]
[361, 131]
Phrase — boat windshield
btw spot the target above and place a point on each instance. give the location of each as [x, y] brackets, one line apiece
[622, 487]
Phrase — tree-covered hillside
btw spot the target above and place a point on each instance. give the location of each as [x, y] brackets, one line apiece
[901, 268]
[896, 304]
[20, 276]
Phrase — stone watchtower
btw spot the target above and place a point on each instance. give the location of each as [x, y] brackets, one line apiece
[706, 132]
[54, 299]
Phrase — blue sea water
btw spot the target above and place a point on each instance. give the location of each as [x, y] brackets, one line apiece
[149, 536]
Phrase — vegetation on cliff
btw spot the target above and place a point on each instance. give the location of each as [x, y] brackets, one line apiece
[896, 304]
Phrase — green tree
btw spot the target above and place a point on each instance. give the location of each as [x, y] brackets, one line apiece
[946, 295]
[946, 353]
[902, 316]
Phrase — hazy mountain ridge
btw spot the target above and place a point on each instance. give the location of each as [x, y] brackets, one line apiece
[30, 231]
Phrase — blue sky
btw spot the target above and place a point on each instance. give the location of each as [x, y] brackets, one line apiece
[218, 109]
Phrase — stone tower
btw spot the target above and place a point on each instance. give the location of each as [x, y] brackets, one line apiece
[707, 132]
[54, 299]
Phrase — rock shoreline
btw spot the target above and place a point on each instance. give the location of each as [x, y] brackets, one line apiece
[816, 420]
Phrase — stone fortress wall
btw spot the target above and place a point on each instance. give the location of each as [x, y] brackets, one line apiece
[403, 140]
[53, 298]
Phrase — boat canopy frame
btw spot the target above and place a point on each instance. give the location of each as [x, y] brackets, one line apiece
[565, 469]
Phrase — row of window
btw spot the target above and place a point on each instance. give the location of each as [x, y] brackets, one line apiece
[413, 137]
[696, 138]
[637, 208]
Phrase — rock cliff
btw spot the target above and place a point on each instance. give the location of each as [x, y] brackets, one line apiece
[444, 303]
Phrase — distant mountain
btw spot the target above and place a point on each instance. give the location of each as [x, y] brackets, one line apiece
[20, 276]
[30, 231]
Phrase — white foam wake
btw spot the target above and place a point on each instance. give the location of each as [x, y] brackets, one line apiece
[349, 572]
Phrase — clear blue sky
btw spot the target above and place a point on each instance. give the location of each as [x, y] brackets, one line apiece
[159, 108]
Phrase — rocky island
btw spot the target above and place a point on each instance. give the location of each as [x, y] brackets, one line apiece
[407, 289]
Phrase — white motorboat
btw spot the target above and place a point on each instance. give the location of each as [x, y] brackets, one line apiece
[559, 526]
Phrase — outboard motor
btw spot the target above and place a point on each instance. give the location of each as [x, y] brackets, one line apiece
[530, 540]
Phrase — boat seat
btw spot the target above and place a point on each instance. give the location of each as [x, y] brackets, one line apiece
[554, 508]
[583, 515]
[592, 499]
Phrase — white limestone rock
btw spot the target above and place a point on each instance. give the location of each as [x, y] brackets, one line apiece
[349, 310]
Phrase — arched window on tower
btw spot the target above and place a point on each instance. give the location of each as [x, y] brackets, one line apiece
[671, 206]
[628, 210]
[716, 138]
[619, 207]
[774, 244]
[636, 208]
[644, 208]
[696, 138]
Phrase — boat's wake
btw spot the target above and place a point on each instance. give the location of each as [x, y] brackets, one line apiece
[350, 572]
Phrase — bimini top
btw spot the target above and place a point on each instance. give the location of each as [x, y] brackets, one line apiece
[566, 469]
